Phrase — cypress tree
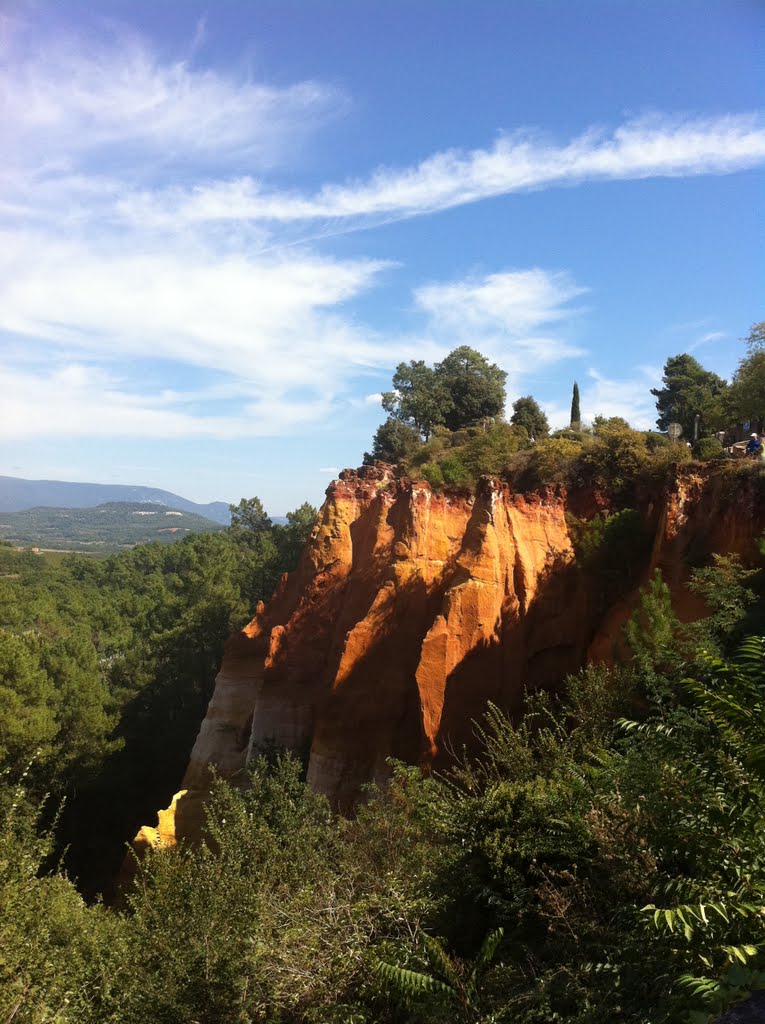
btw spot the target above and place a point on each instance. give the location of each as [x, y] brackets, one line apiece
[576, 416]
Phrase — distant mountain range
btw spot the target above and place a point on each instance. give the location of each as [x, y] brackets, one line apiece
[17, 495]
[105, 528]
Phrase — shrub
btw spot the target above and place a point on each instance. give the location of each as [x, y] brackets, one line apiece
[550, 461]
[454, 471]
[655, 442]
[393, 442]
[708, 448]
[491, 451]
[613, 549]
[431, 472]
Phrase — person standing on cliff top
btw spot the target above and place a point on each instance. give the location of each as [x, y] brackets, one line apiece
[754, 448]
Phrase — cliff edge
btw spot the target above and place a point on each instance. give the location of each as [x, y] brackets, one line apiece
[411, 608]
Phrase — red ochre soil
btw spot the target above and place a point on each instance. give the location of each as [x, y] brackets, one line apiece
[410, 609]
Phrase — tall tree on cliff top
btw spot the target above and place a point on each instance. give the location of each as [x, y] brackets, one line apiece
[576, 416]
[746, 395]
[527, 414]
[418, 397]
[462, 390]
[690, 390]
[475, 386]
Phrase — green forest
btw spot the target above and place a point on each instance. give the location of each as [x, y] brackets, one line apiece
[102, 529]
[107, 666]
[600, 858]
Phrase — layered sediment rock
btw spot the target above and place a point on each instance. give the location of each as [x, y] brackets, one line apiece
[410, 609]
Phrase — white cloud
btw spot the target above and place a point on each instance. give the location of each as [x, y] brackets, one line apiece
[118, 245]
[658, 146]
[78, 401]
[629, 398]
[706, 338]
[503, 315]
[332, 470]
[83, 96]
[274, 321]
[511, 301]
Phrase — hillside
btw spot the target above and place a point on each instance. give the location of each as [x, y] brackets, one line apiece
[108, 527]
[17, 494]
[441, 601]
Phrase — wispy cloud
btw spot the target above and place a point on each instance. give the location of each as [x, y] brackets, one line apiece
[656, 146]
[143, 223]
[275, 322]
[628, 397]
[706, 339]
[84, 97]
[81, 400]
[514, 316]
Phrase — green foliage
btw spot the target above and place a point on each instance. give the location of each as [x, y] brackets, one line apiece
[58, 957]
[576, 416]
[612, 549]
[755, 340]
[527, 414]
[689, 390]
[475, 386]
[726, 586]
[431, 471]
[746, 397]
[292, 538]
[745, 400]
[419, 397]
[107, 666]
[601, 423]
[651, 631]
[617, 458]
[463, 389]
[394, 442]
[490, 451]
[599, 856]
[457, 982]
[249, 518]
[454, 471]
[708, 448]
[552, 460]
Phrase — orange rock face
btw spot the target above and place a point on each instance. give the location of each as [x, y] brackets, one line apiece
[410, 609]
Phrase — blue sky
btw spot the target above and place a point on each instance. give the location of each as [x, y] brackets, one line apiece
[223, 225]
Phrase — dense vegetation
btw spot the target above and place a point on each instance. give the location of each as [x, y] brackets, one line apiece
[601, 860]
[435, 434]
[102, 529]
[107, 666]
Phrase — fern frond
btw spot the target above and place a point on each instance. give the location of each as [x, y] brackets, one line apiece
[409, 984]
[487, 951]
[440, 961]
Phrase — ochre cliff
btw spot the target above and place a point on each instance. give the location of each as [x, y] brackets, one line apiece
[410, 609]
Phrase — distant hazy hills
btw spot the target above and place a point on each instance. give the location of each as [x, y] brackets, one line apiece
[107, 527]
[17, 494]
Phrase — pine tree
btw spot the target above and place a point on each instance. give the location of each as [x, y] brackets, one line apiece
[576, 416]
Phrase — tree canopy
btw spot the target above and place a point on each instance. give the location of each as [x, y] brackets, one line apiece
[576, 415]
[528, 414]
[689, 390]
[418, 397]
[393, 441]
[746, 395]
[461, 390]
[476, 387]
